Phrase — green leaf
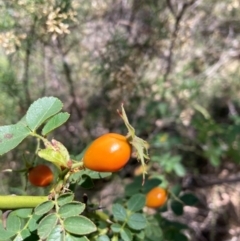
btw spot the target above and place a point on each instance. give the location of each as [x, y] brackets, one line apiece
[96, 175]
[6, 234]
[140, 234]
[33, 222]
[65, 198]
[71, 209]
[126, 234]
[150, 184]
[13, 222]
[181, 237]
[55, 122]
[56, 234]
[44, 207]
[189, 199]
[86, 182]
[75, 177]
[79, 225]
[153, 233]
[24, 212]
[176, 190]
[18, 238]
[46, 225]
[168, 162]
[172, 224]
[101, 215]
[103, 238]
[71, 237]
[177, 207]
[215, 160]
[23, 121]
[136, 202]
[56, 153]
[174, 234]
[84, 178]
[134, 187]
[116, 228]
[163, 208]
[179, 169]
[42, 109]
[23, 235]
[119, 212]
[11, 136]
[137, 221]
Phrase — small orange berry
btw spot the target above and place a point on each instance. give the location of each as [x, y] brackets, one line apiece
[40, 176]
[156, 198]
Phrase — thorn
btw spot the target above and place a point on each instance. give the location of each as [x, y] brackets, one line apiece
[85, 198]
[7, 170]
[119, 112]
[143, 181]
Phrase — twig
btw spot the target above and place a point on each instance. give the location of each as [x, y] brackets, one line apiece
[68, 73]
[200, 183]
[178, 17]
[26, 63]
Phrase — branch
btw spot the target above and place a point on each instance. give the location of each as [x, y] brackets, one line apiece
[170, 6]
[178, 17]
[68, 74]
[27, 62]
[15, 202]
[201, 183]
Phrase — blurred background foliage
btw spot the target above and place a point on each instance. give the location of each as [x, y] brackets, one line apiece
[173, 63]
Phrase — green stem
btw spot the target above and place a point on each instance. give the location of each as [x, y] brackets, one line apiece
[103, 216]
[37, 149]
[77, 164]
[176, 198]
[15, 202]
[40, 137]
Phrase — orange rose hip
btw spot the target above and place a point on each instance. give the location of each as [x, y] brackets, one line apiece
[40, 176]
[108, 153]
